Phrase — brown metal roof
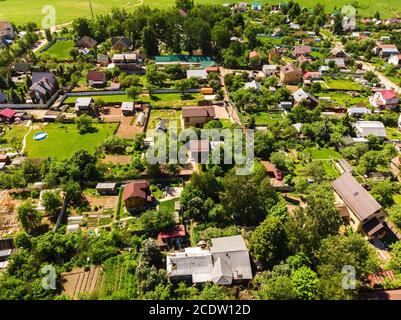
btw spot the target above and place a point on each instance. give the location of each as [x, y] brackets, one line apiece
[355, 196]
[189, 112]
[136, 189]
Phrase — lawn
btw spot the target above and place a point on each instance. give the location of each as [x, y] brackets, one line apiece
[343, 98]
[330, 169]
[64, 140]
[324, 154]
[66, 10]
[13, 131]
[168, 205]
[342, 84]
[166, 100]
[60, 50]
[165, 114]
[393, 133]
[267, 118]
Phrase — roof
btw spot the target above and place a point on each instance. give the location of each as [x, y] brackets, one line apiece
[388, 94]
[172, 232]
[254, 54]
[269, 167]
[110, 185]
[83, 102]
[302, 50]
[127, 106]
[312, 74]
[136, 189]
[228, 244]
[96, 76]
[355, 196]
[22, 67]
[199, 145]
[125, 42]
[197, 74]
[301, 95]
[8, 113]
[189, 112]
[289, 68]
[358, 110]
[40, 76]
[86, 42]
[194, 262]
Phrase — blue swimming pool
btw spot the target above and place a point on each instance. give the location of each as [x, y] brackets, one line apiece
[40, 136]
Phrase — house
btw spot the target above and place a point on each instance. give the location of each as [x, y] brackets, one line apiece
[4, 159]
[253, 85]
[22, 68]
[301, 51]
[213, 69]
[312, 76]
[199, 150]
[127, 108]
[106, 188]
[96, 79]
[198, 74]
[358, 111]
[269, 69]
[126, 61]
[366, 128]
[6, 30]
[226, 262]
[339, 53]
[197, 116]
[86, 42]
[301, 96]
[242, 6]
[257, 6]
[52, 116]
[290, 74]
[3, 97]
[44, 85]
[385, 99]
[103, 60]
[83, 104]
[121, 43]
[324, 69]
[285, 105]
[358, 207]
[8, 115]
[339, 62]
[173, 237]
[395, 60]
[386, 50]
[274, 55]
[137, 195]
[302, 59]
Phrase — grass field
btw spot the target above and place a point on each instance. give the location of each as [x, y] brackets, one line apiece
[267, 118]
[64, 140]
[167, 115]
[67, 10]
[15, 131]
[61, 50]
[342, 84]
[324, 154]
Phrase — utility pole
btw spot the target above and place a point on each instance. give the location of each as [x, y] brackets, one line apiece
[90, 5]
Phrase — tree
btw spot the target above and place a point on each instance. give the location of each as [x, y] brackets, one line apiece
[212, 291]
[156, 220]
[84, 123]
[81, 27]
[154, 76]
[149, 41]
[221, 36]
[28, 216]
[383, 191]
[395, 262]
[48, 35]
[115, 145]
[22, 240]
[183, 85]
[52, 203]
[268, 242]
[184, 4]
[305, 283]
[133, 92]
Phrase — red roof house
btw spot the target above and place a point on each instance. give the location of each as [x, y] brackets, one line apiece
[172, 233]
[8, 114]
[137, 194]
[385, 99]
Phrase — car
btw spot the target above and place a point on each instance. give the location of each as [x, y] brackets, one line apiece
[278, 174]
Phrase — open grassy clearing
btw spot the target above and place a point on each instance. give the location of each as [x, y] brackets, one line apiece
[343, 98]
[168, 115]
[393, 133]
[15, 131]
[64, 140]
[266, 118]
[67, 10]
[324, 154]
[60, 50]
[342, 84]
